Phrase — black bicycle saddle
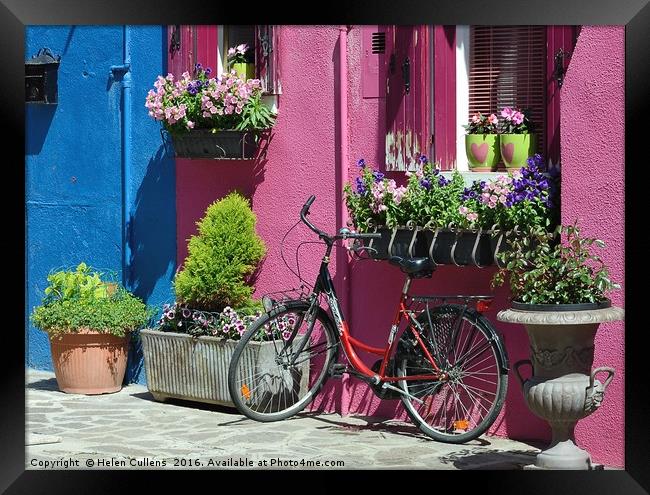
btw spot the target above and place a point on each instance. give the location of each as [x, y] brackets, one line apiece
[416, 267]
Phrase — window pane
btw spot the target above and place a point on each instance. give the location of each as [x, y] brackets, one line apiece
[508, 68]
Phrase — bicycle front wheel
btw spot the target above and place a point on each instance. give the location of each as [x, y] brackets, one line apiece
[464, 344]
[282, 361]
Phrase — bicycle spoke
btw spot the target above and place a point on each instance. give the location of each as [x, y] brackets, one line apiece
[465, 403]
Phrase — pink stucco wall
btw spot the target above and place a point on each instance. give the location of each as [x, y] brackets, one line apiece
[302, 159]
[593, 192]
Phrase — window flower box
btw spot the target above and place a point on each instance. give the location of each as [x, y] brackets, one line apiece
[203, 143]
[440, 218]
[211, 117]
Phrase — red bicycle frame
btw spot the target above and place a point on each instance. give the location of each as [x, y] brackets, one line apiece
[349, 343]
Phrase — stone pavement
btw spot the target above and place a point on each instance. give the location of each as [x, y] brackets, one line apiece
[129, 430]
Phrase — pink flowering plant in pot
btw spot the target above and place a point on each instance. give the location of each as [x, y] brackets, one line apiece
[481, 142]
[225, 102]
[517, 139]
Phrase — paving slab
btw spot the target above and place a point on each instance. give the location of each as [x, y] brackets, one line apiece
[130, 430]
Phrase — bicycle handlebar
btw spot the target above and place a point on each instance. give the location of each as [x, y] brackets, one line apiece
[344, 234]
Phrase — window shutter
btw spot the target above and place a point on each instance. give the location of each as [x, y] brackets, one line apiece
[180, 49]
[373, 46]
[444, 96]
[508, 68]
[557, 38]
[267, 58]
[206, 47]
[407, 96]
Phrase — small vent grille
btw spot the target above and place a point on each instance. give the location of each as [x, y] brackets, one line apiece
[378, 43]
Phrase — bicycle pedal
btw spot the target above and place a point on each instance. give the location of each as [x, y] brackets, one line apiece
[337, 370]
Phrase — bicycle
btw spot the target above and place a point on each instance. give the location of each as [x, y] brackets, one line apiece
[449, 366]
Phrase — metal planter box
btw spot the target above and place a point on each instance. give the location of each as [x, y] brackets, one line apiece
[180, 366]
[203, 143]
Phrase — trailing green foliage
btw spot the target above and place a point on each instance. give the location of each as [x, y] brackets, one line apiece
[80, 299]
[221, 257]
[545, 270]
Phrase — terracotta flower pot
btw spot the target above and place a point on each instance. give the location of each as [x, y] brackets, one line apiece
[89, 362]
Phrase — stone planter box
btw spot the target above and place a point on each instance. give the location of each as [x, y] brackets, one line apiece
[180, 366]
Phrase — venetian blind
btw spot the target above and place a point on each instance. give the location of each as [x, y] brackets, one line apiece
[508, 68]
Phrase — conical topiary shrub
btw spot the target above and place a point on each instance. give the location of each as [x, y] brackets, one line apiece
[221, 257]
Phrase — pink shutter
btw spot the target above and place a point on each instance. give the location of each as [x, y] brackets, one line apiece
[207, 47]
[508, 68]
[267, 58]
[180, 49]
[557, 38]
[444, 96]
[407, 96]
[373, 48]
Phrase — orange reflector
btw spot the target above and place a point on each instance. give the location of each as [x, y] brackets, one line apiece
[245, 391]
[461, 425]
[483, 305]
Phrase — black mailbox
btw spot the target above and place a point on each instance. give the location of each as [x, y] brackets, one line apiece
[41, 74]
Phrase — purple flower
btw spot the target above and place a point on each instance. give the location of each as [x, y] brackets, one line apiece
[361, 187]
[442, 182]
[378, 176]
[426, 183]
[361, 163]
[423, 159]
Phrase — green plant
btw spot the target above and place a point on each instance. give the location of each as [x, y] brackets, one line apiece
[544, 269]
[482, 124]
[80, 299]
[256, 115]
[221, 257]
[203, 102]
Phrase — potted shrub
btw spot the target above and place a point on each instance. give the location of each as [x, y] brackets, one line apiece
[241, 60]
[187, 355]
[559, 293]
[88, 321]
[207, 117]
[482, 142]
[516, 138]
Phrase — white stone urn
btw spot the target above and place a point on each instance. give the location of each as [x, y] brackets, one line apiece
[563, 388]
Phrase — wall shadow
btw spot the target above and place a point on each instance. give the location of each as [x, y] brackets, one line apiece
[152, 226]
[151, 230]
[38, 118]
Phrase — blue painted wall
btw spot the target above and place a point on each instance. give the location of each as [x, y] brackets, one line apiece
[75, 174]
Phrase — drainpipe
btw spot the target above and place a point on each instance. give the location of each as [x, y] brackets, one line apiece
[125, 71]
[343, 172]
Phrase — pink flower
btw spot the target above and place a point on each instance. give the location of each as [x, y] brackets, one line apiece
[476, 118]
[518, 117]
[463, 210]
[472, 217]
[506, 113]
[492, 119]
[231, 51]
[190, 124]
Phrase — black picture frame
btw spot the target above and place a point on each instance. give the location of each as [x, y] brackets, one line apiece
[634, 14]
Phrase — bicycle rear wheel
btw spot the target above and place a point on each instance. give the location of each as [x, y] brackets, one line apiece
[282, 361]
[466, 347]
